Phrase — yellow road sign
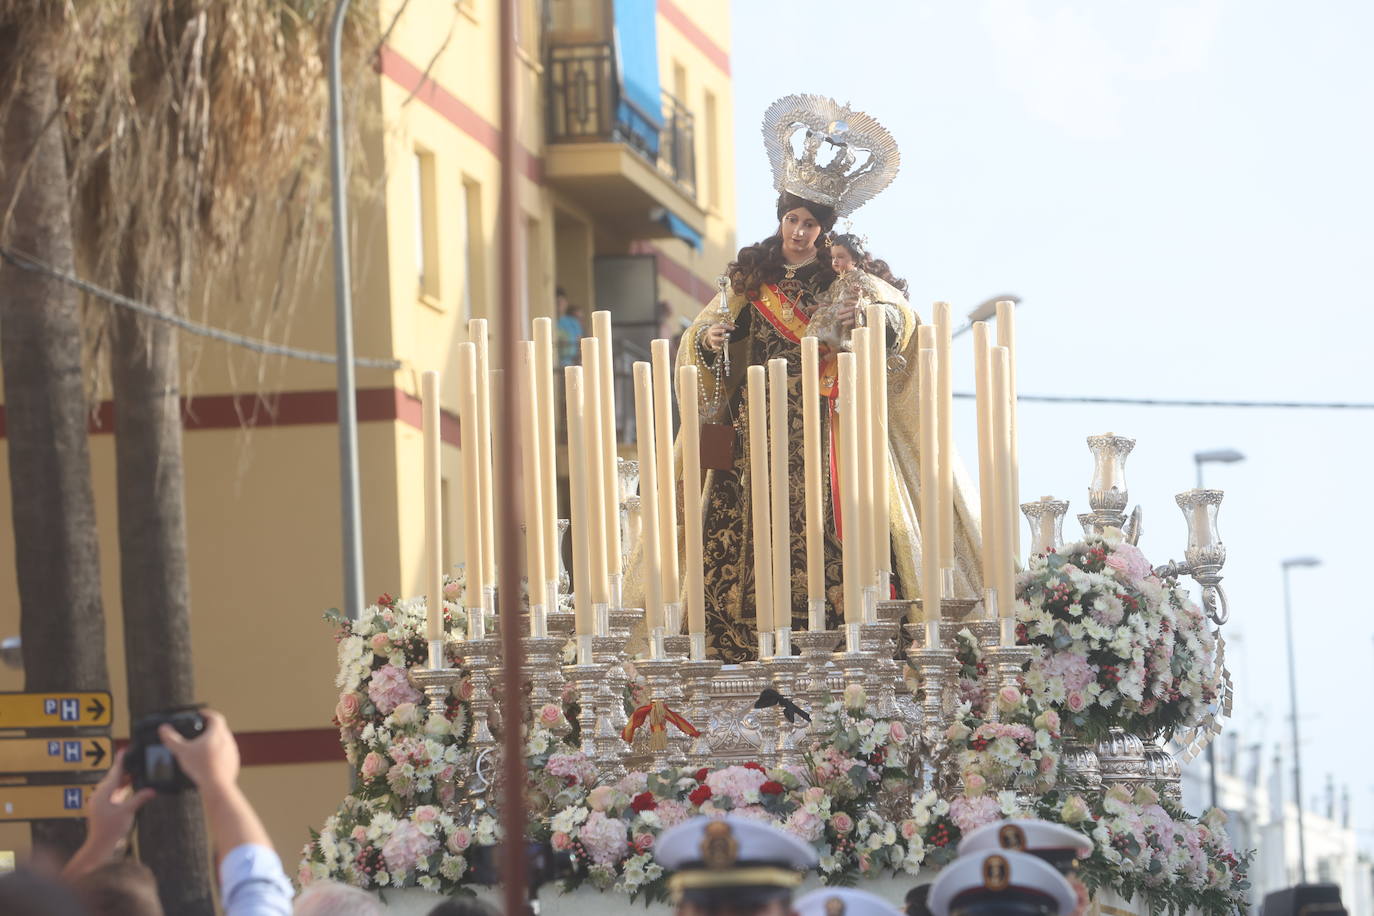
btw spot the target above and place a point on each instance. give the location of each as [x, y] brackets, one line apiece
[29, 803]
[84, 709]
[53, 755]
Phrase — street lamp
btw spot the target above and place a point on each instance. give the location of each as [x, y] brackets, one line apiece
[985, 311]
[1291, 563]
[1213, 456]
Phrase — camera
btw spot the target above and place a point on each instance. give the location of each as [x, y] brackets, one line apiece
[149, 762]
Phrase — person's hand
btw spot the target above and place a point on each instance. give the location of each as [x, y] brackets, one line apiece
[210, 760]
[845, 315]
[713, 338]
[113, 805]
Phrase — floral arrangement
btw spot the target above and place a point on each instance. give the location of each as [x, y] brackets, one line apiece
[854, 794]
[1120, 647]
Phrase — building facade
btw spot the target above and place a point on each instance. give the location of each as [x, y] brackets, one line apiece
[626, 196]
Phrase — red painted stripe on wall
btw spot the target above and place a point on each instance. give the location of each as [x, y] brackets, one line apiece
[453, 109]
[675, 272]
[306, 745]
[693, 33]
[285, 408]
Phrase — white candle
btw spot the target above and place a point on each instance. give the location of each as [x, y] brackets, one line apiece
[1006, 519]
[648, 496]
[580, 504]
[667, 476]
[534, 502]
[811, 445]
[759, 504]
[434, 513]
[548, 446]
[593, 453]
[849, 488]
[1006, 337]
[778, 473]
[944, 406]
[472, 478]
[477, 331]
[688, 407]
[877, 376]
[928, 381]
[610, 447]
[987, 468]
[863, 410]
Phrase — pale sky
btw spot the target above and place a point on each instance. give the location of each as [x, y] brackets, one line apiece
[1180, 193]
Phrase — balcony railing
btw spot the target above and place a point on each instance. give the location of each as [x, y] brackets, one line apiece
[586, 105]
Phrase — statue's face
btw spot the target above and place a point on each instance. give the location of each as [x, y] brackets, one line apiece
[799, 230]
[841, 259]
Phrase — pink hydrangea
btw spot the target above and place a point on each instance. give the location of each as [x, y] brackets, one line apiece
[604, 838]
[390, 688]
[739, 784]
[805, 825]
[1130, 564]
[970, 813]
[671, 813]
[406, 846]
[574, 769]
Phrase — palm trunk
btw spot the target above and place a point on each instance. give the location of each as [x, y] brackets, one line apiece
[153, 569]
[57, 559]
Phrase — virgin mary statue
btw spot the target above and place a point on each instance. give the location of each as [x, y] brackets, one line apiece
[827, 162]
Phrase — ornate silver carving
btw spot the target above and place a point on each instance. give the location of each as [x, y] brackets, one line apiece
[1046, 519]
[1161, 767]
[1079, 766]
[1107, 494]
[1122, 759]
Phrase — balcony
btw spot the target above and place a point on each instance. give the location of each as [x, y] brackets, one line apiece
[619, 161]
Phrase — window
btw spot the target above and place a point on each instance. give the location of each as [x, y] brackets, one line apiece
[426, 227]
[474, 275]
[712, 154]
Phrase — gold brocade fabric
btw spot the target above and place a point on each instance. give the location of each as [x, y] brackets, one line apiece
[727, 519]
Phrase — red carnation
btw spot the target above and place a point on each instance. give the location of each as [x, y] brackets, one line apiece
[644, 801]
[754, 765]
[702, 773]
[700, 794]
[771, 787]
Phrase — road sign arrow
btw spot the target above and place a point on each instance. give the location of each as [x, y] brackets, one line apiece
[96, 709]
[97, 752]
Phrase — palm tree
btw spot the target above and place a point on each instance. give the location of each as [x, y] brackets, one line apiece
[51, 499]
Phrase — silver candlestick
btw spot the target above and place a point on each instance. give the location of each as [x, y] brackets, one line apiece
[939, 673]
[1107, 494]
[816, 647]
[564, 581]
[480, 659]
[699, 674]
[609, 650]
[587, 674]
[437, 685]
[632, 526]
[784, 672]
[544, 655]
[1046, 519]
[1205, 553]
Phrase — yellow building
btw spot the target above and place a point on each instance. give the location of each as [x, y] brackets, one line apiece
[626, 191]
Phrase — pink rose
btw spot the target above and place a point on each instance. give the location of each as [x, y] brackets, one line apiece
[425, 814]
[1075, 701]
[374, 766]
[460, 839]
[347, 709]
[560, 841]
[601, 798]
[550, 715]
[974, 785]
[1047, 764]
[898, 732]
[909, 829]
[1009, 697]
[359, 834]
[465, 690]
[813, 795]
[381, 644]
[643, 842]
[841, 823]
[451, 589]
[405, 714]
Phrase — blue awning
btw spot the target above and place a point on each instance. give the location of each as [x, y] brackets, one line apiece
[679, 228]
[640, 111]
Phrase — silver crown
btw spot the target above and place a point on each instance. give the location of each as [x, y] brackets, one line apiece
[864, 161]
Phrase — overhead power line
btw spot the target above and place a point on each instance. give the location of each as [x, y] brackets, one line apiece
[1185, 402]
[33, 265]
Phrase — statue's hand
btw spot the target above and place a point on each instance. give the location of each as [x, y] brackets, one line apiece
[713, 338]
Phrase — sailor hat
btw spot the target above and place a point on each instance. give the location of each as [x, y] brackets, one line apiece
[1001, 882]
[745, 857]
[1058, 845]
[842, 901]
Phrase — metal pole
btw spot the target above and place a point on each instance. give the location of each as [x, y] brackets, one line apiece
[343, 330]
[1211, 745]
[1297, 748]
[515, 867]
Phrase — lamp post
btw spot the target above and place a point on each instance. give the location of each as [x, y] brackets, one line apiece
[984, 312]
[1213, 456]
[1290, 563]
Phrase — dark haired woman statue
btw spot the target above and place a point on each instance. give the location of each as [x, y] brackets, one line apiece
[776, 287]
